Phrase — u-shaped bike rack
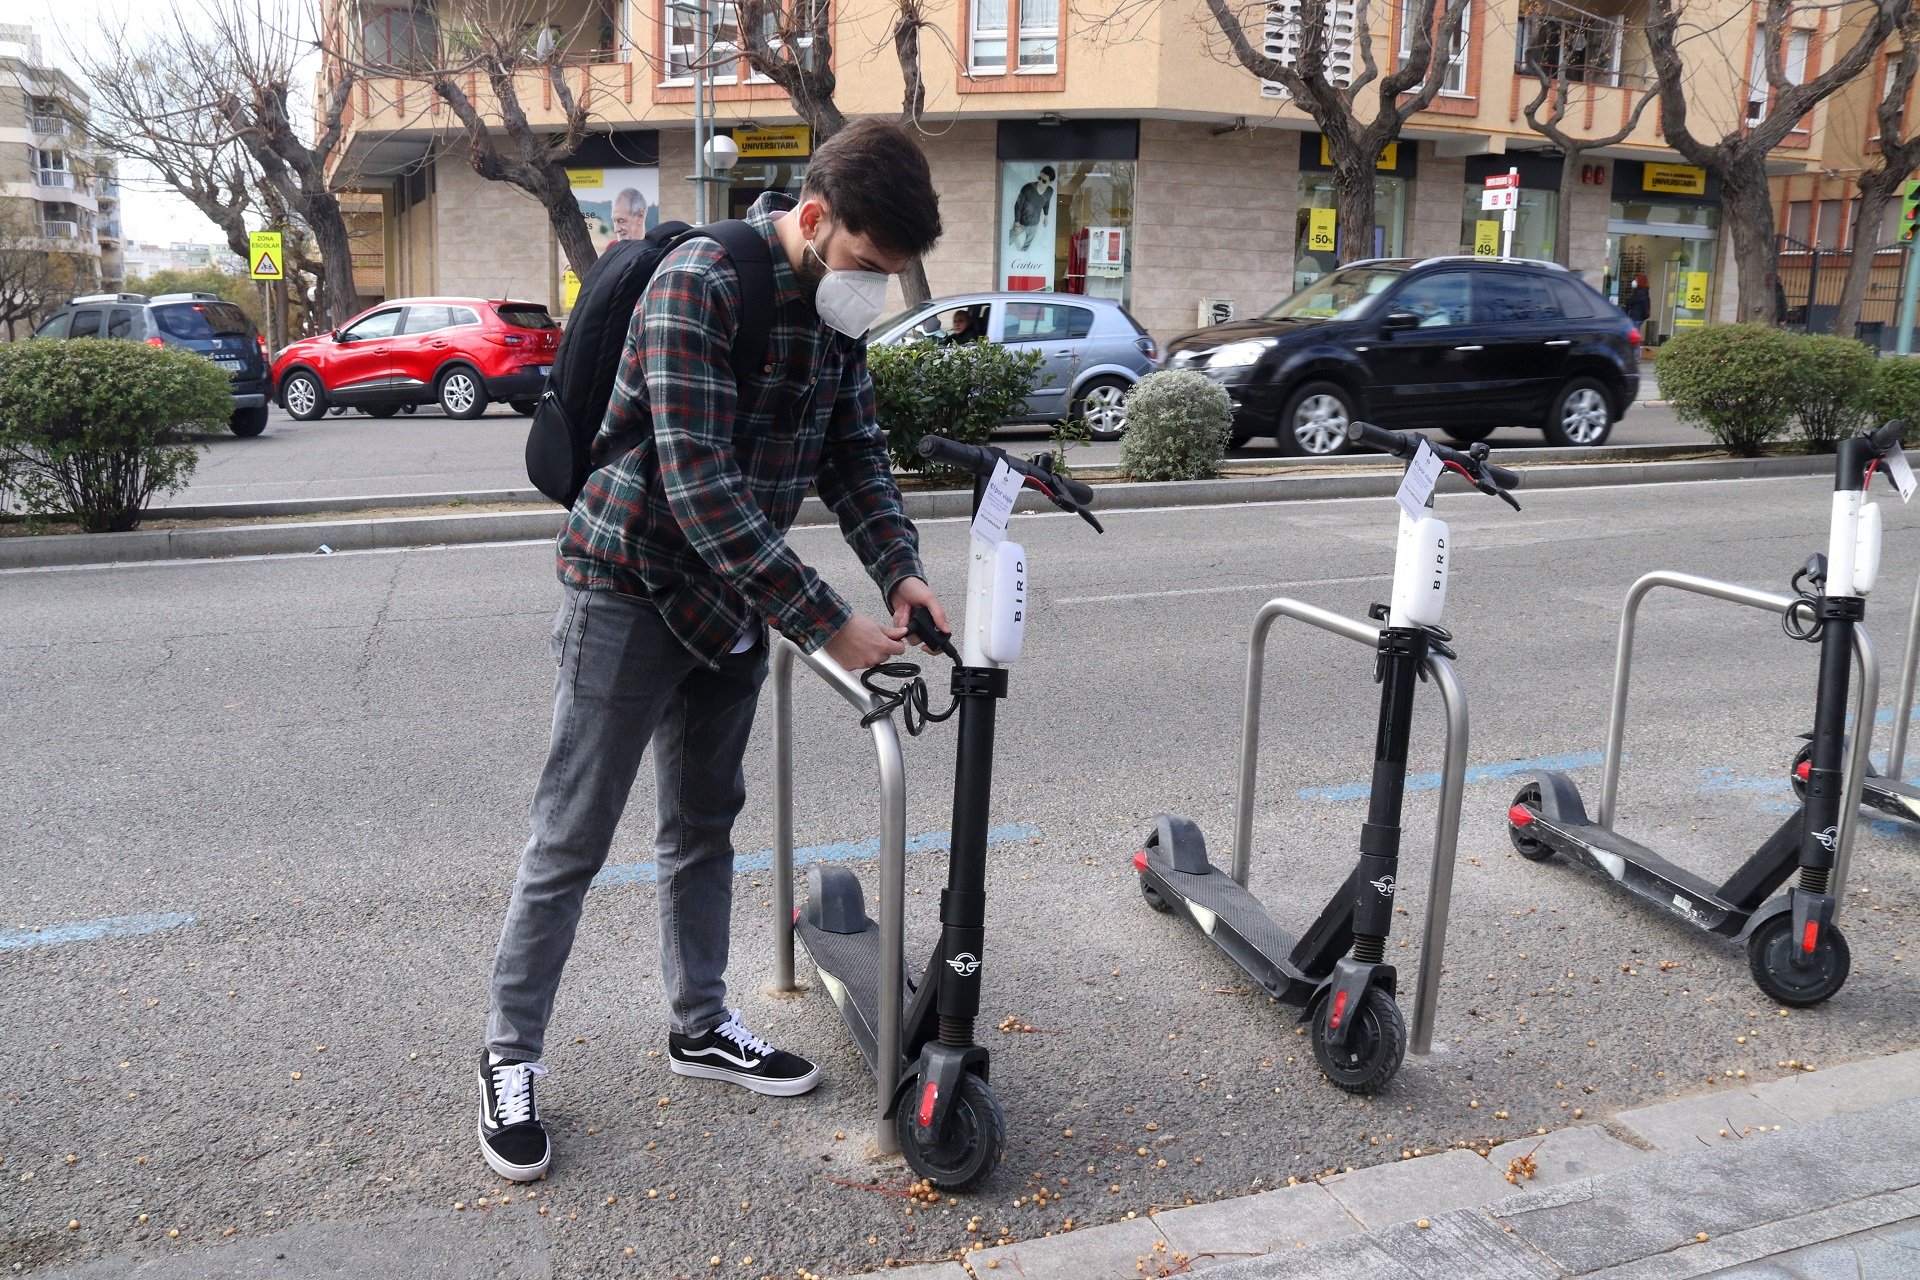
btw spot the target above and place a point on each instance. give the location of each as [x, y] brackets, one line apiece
[1453, 778]
[1865, 700]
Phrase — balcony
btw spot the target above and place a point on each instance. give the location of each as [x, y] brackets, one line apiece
[61, 178]
[109, 230]
[54, 230]
[48, 126]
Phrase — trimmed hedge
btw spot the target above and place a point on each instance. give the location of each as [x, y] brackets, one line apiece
[962, 392]
[95, 429]
[1177, 427]
[1734, 380]
[1896, 394]
[1830, 382]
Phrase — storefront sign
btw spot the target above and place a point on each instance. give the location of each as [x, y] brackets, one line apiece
[1389, 159]
[1499, 198]
[616, 204]
[1026, 219]
[1696, 291]
[1486, 238]
[1321, 224]
[569, 290]
[1106, 251]
[586, 177]
[1689, 324]
[777, 142]
[1674, 179]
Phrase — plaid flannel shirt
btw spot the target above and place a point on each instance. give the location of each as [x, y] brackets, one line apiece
[697, 478]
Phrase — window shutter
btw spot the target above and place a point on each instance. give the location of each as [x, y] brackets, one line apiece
[1281, 40]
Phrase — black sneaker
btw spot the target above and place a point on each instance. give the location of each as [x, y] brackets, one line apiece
[512, 1138]
[731, 1052]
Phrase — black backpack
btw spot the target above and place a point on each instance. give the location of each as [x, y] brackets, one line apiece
[581, 383]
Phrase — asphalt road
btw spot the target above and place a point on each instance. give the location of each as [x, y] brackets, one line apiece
[353, 455]
[309, 777]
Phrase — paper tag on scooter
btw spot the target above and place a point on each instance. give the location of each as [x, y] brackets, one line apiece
[1416, 487]
[990, 522]
[1901, 472]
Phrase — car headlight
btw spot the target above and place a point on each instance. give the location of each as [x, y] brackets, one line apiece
[1236, 355]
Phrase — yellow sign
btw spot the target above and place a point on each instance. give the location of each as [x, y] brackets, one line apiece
[781, 142]
[1674, 179]
[1696, 291]
[1320, 230]
[586, 177]
[1486, 238]
[1389, 159]
[265, 257]
[569, 290]
[1688, 324]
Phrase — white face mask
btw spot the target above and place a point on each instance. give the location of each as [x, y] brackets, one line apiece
[849, 301]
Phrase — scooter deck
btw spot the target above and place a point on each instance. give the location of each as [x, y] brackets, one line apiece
[1235, 921]
[1891, 796]
[849, 968]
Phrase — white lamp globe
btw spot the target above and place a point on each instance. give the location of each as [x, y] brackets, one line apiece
[722, 153]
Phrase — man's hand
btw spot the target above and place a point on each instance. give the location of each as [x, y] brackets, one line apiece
[909, 592]
[864, 643]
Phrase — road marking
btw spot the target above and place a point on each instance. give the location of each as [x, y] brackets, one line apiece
[1475, 773]
[1214, 591]
[53, 935]
[844, 851]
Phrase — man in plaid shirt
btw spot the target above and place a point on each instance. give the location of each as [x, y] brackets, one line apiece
[673, 563]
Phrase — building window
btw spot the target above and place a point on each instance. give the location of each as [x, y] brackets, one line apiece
[1564, 40]
[1799, 223]
[1533, 223]
[1793, 65]
[1039, 34]
[1281, 40]
[1386, 236]
[1030, 28]
[1066, 226]
[400, 39]
[722, 54]
[987, 41]
[1454, 82]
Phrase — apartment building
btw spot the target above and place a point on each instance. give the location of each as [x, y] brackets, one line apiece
[56, 190]
[1171, 178]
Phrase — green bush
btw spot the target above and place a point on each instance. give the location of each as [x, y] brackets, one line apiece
[1177, 427]
[962, 392]
[94, 429]
[1832, 377]
[1735, 380]
[1896, 394]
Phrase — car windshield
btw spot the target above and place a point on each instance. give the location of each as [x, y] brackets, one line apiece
[1343, 295]
[201, 319]
[527, 317]
[886, 326]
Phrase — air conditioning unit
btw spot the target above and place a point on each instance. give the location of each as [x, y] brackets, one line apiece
[1215, 311]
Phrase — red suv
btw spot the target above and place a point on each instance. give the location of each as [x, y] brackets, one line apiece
[461, 353]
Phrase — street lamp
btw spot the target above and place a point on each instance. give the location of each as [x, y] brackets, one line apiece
[709, 150]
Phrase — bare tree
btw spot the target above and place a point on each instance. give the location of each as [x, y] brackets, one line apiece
[1556, 85]
[1316, 78]
[1880, 183]
[33, 278]
[1739, 158]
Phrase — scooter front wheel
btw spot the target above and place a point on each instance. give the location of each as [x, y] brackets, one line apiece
[1795, 778]
[1770, 955]
[1373, 1053]
[976, 1135]
[1154, 900]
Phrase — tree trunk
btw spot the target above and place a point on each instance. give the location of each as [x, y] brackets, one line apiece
[569, 227]
[322, 214]
[913, 283]
[1353, 205]
[1749, 207]
[1563, 216]
[1877, 191]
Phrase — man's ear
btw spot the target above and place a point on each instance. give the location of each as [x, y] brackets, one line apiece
[810, 214]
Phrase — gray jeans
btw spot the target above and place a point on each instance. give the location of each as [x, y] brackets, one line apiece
[624, 681]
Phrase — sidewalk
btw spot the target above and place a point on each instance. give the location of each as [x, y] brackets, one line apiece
[1803, 1178]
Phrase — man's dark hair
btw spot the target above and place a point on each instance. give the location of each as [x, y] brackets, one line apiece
[1046, 171]
[874, 177]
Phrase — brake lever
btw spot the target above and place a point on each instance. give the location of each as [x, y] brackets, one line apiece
[1056, 492]
[1484, 483]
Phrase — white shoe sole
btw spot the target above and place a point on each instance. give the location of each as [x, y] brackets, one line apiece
[759, 1084]
[505, 1168]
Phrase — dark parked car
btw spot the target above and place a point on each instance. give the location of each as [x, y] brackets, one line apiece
[1094, 351]
[1464, 345]
[202, 322]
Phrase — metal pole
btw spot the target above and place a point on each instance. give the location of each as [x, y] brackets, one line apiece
[1903, 704]
[1446, 842]
[1857, 760]
[782, 673]
[702, 52]
[1909, 301]
[1511, 215]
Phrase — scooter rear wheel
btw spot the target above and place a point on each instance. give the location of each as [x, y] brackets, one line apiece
[1799, 783]
[1154, 900]
[1770, 956]
[976, 1135]
[1373, 1054]
[1524, 845]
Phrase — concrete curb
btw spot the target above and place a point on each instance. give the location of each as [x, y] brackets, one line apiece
[1675, 1199]
[1349, 481]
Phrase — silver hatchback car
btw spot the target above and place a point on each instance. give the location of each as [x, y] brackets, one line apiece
[1093, 351]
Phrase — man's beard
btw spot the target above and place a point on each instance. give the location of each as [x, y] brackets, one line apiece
[812, 269]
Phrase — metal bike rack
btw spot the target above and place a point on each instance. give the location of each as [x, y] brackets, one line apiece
[1903, 707]
[1453, 780]
[893, 854]
[1865, 701]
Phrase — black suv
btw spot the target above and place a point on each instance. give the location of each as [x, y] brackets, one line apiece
[1465, 345]
[202, 322]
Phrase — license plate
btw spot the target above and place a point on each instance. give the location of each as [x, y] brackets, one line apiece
[545, 369]
[233, 363]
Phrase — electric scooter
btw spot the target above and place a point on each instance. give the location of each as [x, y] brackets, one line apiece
[949, 1123]
[1336, 972]
[1797, 954]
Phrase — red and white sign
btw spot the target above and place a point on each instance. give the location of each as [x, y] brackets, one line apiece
[1498, 180]
[1500, 197]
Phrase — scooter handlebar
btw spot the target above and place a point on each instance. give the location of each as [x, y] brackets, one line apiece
[979, 460]
[1488, 478]
[1888, 438]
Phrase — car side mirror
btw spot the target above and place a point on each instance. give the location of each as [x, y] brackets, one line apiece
[1399, 320]
[336, 336]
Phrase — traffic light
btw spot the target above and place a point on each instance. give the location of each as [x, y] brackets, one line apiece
[1909, 212]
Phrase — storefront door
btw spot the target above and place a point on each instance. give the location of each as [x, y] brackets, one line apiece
[1678, 263]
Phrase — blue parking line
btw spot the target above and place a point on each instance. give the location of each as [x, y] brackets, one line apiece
[53, 935]
[1475, 773]
[844, 851]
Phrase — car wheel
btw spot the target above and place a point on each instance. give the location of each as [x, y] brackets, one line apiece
[304, 398]
[460, 393]
[381, 410]
[1314, 423]
[1102, 406]
[247, 423]
[1581, 414]
[1467, 435]
[525, 408]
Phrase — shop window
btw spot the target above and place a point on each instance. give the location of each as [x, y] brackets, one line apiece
[1067, 226]
[1567, 41]
[1281, 38]
[1533, 222]
[1454, 80]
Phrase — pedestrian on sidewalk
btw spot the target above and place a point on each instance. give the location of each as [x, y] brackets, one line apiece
[672, 565]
